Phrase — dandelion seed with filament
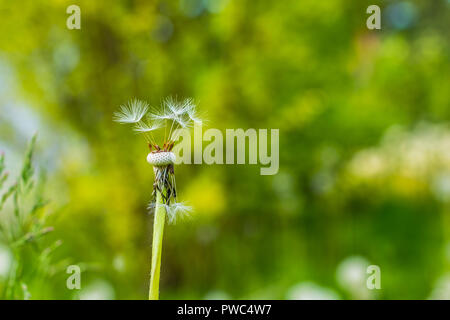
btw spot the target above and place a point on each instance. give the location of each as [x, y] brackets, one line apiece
[132, 112]
[144, 127]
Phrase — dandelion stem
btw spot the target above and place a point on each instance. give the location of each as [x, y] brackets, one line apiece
[158, 230]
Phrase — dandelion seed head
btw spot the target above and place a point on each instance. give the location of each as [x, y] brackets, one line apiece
[161, 158]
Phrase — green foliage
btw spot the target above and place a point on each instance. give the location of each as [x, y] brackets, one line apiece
[23, 225]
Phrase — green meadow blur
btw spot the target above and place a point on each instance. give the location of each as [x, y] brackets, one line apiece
[364, 149]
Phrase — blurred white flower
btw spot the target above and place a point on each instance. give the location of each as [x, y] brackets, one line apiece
[441, 289]
[421, 155]
[6, 260]
[217, 295]
[119, 263]
[368, 163]
[98, 290]
[441, 187]
[311, 291]
[351, 276]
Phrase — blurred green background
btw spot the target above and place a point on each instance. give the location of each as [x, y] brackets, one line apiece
[363, 116]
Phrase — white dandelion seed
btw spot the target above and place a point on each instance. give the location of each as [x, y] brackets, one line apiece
[178, 210]
[183, 122]
[194, 116]
[132, 112]
[175, 211]
[189, 112]
[176, 111]
[161, 115]
[151, 206]
[173, 115]
[179, 107]
[144, 127]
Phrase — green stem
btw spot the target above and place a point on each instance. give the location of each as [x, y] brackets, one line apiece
[158, 230]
